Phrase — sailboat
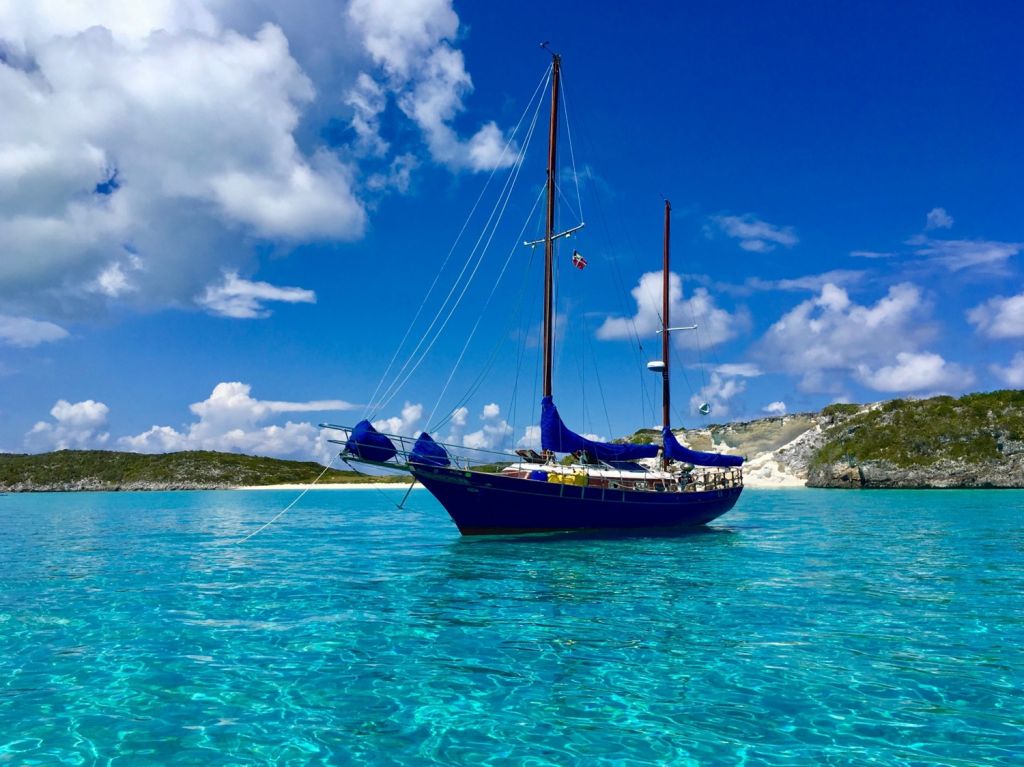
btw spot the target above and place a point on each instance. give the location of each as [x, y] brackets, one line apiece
[600, 486]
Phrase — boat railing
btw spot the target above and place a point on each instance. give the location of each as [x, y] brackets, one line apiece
[492, 461]
[461, 456]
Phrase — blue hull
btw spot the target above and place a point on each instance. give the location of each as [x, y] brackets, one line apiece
[492, 504]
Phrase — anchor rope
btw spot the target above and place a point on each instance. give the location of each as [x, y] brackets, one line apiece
[286, 508]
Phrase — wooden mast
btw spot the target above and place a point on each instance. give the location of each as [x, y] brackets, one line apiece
[549, 232]
[665, 389]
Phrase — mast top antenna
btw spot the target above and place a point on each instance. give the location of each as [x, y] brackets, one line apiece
[546, 45]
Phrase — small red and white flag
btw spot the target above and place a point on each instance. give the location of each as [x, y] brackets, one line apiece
[578, 260]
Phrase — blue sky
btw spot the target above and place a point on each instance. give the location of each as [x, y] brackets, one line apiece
[218, 220]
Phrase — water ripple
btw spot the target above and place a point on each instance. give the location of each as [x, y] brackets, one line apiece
[808, 628]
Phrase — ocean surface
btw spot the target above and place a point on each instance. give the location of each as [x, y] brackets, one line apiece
[806, 627]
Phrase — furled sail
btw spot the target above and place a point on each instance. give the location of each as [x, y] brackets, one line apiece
[369, 444]
[429, 452]
[678, 452]
[557, 437]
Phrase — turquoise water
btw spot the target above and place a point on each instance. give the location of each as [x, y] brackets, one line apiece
[805, 628]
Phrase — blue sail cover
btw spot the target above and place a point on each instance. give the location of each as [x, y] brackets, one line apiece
[428, 452]
[369, 444]
[555, 436]
[677, 452]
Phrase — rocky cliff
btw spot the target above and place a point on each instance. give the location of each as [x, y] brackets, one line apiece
[939, 442]
[976, 441]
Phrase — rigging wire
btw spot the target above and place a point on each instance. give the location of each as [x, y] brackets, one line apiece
[482, 375]
[373, 404]
[480, 314]
[600, 387]
[572, 153]
[636, 344]
[499, 209]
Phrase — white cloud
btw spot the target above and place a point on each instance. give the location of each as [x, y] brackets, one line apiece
[718, 394]
[775, 408]
[242, 299]
[26, 332]
[231, 420]
[755, 235]
[871, 254]
[811, 283]
[147, 148]
[915, 372]
[715, 325]
[172, 138]
[530, 439]
[825, 337]
[938, 218]
[113, 281]
[75, 426]
[1013, 373]
[398, 176]
[999, 317]
[957, 255]
[405, 424]
[495, 432]
[741, 369]
[457, 425]
[411, 42]
[368, 100]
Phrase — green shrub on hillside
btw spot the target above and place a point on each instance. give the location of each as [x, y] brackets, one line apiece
[200, 467]
[908, 433]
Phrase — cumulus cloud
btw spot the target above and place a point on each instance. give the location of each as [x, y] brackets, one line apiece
[714, 324]
[829, 336]
[232, 420]
[410, 42]
[755, 235]
[916, 372]
[78, 425]
[457, 425]
[243, 299]
[116, 133]
[26, 332]
[775, 408]
[147, 148]
[727, 382]
[938, 218]
[999, 317]
[405, 424]
[1013, 373]
[530, 439]
[718, 394]
[495, 432]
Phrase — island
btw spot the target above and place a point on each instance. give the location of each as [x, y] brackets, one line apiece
[70, 470]
[975, 441]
